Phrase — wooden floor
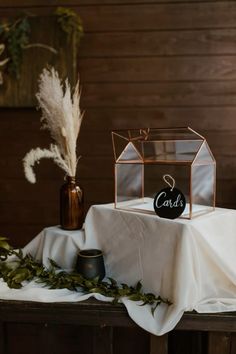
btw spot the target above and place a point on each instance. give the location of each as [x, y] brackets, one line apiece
[93, 327]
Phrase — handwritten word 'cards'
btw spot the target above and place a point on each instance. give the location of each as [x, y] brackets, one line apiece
[169, 203]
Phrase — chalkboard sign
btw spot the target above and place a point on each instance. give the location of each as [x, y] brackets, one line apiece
[169, 203]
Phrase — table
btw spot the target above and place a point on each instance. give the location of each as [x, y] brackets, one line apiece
[191, 262]
[102, 319]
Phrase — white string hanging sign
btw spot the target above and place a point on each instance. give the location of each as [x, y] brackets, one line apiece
[169, 202]
[172, 186]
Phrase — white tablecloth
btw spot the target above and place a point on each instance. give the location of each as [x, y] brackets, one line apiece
[190, 262]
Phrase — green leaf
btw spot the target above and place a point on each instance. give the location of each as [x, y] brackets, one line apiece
[124, 286]
[123, 292]
[88, 284]
[134, 297]
[3, 238]
[14, 285]
[138, 286]
[112, 281]
[153, 309]
[53, 263]
[115, 301]
[95, 280]
[96, 290]
[20, 253]
[20, 275]
[4, 245]
[12, 265]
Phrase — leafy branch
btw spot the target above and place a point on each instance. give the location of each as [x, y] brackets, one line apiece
[15, 36]
[70, 23]
[20, 268]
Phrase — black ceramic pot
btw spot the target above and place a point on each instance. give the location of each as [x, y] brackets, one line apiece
[90, 264]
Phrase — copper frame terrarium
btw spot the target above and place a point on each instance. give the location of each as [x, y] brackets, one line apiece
[144, 156]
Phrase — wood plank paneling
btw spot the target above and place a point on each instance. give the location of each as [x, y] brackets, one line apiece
[159, 344]
[219, 343]
[48, 192]
[154, 43]
[216, 119]
[128, 340]
[233, 343]
[156, 63]
[2, 338]
[26, 213]
[27, 333]
[20, 125]
[161, 16]
[157, 69]
[19, 235]
[216, 140]
[48, 338]
[26, 3]
[102, 340]
[186, 342]
[145, 16]
[156, 94]
[62, 328]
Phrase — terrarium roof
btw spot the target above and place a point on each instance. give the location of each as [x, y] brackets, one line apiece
[161, 145]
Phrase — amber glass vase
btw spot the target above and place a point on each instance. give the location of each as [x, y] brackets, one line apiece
[71, 205]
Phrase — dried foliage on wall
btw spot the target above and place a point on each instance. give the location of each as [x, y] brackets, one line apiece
[30, 43]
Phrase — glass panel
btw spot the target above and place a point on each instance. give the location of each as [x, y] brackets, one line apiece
[203, 188]
[171, 151]
[129, 183]
[204, 155]
[173, 134]
[129, 153]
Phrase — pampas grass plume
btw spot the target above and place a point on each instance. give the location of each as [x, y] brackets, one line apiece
[62, 116]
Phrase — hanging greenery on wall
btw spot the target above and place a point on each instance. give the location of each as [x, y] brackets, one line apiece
[15, 37]
[57, 37]
[70, 23]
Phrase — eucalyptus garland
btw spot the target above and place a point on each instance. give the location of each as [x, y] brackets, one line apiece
[20, 268]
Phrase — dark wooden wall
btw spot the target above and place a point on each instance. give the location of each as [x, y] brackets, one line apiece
[142, 63]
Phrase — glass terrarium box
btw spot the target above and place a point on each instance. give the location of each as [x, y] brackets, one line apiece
[144, 156]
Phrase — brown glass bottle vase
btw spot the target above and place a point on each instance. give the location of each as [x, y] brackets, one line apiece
[71, 205]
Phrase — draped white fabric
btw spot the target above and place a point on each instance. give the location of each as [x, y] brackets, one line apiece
[190, 262]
